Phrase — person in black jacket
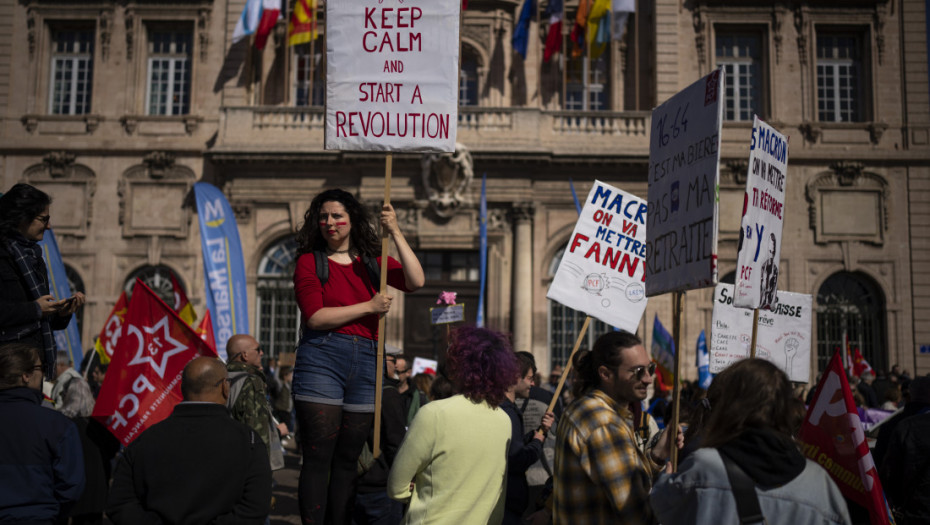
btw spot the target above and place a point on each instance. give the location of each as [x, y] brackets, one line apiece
[197, 466]
[904, 460]
[41, 463]
[27, 311]
[525, 449]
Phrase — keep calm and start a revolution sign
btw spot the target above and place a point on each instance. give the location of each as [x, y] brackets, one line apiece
[392, 75]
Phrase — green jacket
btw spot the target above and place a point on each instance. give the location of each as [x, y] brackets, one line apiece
[250, 406]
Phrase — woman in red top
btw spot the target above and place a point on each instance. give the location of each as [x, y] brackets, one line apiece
[334, 373]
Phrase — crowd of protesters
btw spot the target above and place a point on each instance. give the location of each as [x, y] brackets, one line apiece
[481, 441]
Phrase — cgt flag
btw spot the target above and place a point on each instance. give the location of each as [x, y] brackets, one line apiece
[832, 436]
[112, 329]
[223, 267]
[182, 304]
[143, 382]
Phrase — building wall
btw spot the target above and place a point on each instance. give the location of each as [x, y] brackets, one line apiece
[858, 193]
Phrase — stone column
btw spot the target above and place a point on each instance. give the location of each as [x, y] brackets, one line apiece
[522, 320]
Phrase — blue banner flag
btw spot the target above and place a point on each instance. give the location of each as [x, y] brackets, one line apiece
[68, 339]
[574, 196]
[521, 32]
[483, 250]
[663, 348]
[223, 266]
[703, 362]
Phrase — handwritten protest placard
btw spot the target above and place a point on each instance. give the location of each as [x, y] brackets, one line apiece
[451, 313]
[392, 75]
[684, 158]
[602, 269]
[784, 334]
[763, 218]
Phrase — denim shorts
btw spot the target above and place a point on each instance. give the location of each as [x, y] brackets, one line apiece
[336, 369]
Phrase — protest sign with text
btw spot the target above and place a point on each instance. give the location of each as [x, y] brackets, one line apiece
[143, 382]
[784, 334]
[684, 158]
[602, 269]
[763, 218]
[392, 75]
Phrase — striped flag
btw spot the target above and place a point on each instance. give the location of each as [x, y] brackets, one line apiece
[302, 27]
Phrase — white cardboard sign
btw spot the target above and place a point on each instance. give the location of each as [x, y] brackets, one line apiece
[684, 159]
[392, 75]
[763, 218]
[603, 267]
[783, 336]
[452, 313]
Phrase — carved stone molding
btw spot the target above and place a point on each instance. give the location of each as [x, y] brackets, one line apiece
[737, 171]
[880, 32]
[58, 163]
[152, 196]
[811, 131]
[497, 219]
[72, 187]
[158, 162]
[522, 212]
[801, 25]
[876, 130]
[848, 203]
[130, 21]
[847, 171]
[778, 19]
[105, 23]
[30, 122]
[446, 178]
[31, 36]
[92, 122]
[700, 39]
[203, 31]
[243, 211]
[191, 123]
[129, 124]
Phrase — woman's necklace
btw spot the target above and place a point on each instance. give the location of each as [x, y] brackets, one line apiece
[331, 251]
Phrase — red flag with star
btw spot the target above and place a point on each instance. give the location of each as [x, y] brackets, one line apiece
[112, 329]
[143, 383]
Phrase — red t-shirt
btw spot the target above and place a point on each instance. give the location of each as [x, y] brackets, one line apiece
[348, 284]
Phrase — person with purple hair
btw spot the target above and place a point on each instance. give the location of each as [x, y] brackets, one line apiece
[456, 449]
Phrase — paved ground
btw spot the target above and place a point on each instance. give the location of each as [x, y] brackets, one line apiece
[285, 509]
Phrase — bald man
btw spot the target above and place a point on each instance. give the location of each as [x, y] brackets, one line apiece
[248, 398]
[197, 466]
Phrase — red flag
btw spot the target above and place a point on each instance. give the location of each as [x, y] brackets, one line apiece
[182, 304]
[860, 365]
[143, 382]
[832, 437]
[205, 331]
[271, 11]
[109, 335]
[554, 37]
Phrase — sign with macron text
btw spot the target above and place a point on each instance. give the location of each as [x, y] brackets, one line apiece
[684, 159]
[392, 69]
[783, 336]
[602, 269]
[763, 218]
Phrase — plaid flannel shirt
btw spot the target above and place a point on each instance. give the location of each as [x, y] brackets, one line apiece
[602, 474]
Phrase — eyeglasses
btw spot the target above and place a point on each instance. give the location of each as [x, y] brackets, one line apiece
[640, 371]
[44, 219]
[401, 371]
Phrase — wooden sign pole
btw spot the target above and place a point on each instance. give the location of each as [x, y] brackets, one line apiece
[568, 366]
[676, 395]
[755, 329]
[379, 365]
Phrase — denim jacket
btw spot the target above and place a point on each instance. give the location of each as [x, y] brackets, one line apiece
[700, 493]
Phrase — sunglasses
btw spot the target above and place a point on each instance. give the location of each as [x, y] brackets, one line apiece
[44, 219]
[640, 371]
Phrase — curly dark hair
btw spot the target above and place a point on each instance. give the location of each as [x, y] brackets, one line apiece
[363, 238]
[752, 393]
[21, 204]
[605, 352]
[482, 364]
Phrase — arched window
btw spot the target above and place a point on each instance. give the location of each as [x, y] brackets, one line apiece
[158, 278]
[278, 319]
[851, 303]
[565, 323]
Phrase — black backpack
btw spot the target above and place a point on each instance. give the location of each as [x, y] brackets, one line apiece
[371, 264]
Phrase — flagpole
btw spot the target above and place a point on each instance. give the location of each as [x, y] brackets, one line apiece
[568, 366]
[312, 64]
[539, 49]
[676, 395]
[755, 330]
[385, 247]
[287, 56]
[564, 57]
[248, 69]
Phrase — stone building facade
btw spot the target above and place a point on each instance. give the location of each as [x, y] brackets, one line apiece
[117, 108]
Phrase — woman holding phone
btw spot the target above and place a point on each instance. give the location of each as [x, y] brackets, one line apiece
[28, 312]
